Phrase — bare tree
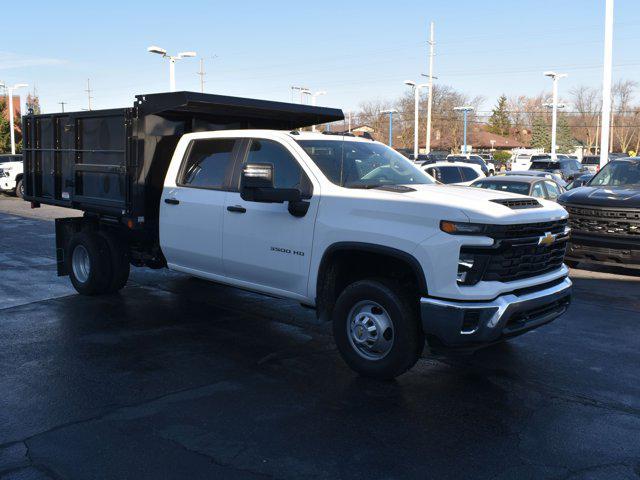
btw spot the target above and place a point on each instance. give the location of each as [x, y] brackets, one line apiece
[624, 117]
[585, 122]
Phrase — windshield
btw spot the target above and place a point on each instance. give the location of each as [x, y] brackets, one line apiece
[545, 165]
[591, 160]
[363, 164]
[617, 174]
[514, 187]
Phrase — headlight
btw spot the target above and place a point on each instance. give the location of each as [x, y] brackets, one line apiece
[462, 228]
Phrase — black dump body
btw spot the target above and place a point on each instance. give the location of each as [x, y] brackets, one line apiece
[112, 163]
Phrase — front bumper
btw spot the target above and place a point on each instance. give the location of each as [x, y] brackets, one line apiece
[7, 184]
[605, 250]
[468, 326]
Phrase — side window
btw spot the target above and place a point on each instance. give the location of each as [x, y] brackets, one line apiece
[538, 191]
[209, 163]
[450, 175]
[287, 171]
[435, 173]
[468, 174]
[552, 189]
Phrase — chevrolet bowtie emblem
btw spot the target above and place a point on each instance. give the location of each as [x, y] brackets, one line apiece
[547, 239]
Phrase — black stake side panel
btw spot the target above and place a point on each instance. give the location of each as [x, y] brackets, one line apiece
[113, 162]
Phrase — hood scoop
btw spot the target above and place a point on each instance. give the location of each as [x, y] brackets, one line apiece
[516, 203]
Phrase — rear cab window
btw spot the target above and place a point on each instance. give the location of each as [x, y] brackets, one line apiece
[208, 164]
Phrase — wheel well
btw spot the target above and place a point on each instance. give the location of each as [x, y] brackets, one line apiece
[19, 177]
[343, 265]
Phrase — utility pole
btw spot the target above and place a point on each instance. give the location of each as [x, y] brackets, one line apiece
[63, 104]
[432, 44]
[88, 90]
[606, 83]
[390, 112]
[202, 73]
[465, 110]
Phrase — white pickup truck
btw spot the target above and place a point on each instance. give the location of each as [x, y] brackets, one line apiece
[344, 225]
[11, 174]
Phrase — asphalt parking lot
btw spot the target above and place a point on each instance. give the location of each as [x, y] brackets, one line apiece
[179, 378]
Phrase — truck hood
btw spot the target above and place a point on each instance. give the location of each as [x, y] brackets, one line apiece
[477, 204]
[624, 197]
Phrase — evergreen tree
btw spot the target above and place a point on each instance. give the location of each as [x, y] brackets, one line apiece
[499, 122]
[540, 134]
[564, 138]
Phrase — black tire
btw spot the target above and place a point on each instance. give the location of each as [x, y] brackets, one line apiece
[571, 263]
[98, 273]
[408, 339]
[119, 255]
[19, 189]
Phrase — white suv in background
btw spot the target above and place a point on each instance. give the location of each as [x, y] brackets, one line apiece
[11, 171]
[454, 173]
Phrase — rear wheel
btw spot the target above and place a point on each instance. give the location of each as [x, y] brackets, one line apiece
[88, 263]
[376, 329]
[119, 256]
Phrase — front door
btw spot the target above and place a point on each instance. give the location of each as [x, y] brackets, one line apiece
[264, 245]
[192, 207]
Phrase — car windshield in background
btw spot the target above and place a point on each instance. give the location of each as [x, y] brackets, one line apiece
[513, 187]
[591, 160]
[545, 165]
[618, 174]
[363, 164]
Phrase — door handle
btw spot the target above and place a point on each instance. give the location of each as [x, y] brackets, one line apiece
[236, 209]
[172, 201]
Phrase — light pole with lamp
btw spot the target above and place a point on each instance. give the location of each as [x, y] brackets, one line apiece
[314, 97]
[465, 110]
[390, 113]
[554, 116]
[416, 92]
[172, 62]
[9, 91]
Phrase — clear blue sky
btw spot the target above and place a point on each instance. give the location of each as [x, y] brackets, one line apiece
[354, 50]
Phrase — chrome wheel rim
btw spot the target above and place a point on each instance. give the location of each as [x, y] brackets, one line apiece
[80, 263]
[370, 330]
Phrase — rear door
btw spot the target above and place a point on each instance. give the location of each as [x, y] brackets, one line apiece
[192, 206]
[265, 246]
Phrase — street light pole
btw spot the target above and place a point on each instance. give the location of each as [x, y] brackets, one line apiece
[554, 115]
[416, 93]
[606, 83]
[465, 110]
[314, 97]
[432, 44]
[172, 62]
[9, 91]
[390, 112]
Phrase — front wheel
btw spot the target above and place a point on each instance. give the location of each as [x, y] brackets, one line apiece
[19, 189]
[376, 329]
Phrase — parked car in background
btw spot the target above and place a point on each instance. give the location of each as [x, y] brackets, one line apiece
[11, 172]
[521, 161]
[604, 216]
[535, 173]
[591, 163]
[580, 181]
[488, 159]
[472, 159]
[453, 173]
[537, 187]
[567, 168]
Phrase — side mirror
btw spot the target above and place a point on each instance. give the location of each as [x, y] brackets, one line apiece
[256, 185]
